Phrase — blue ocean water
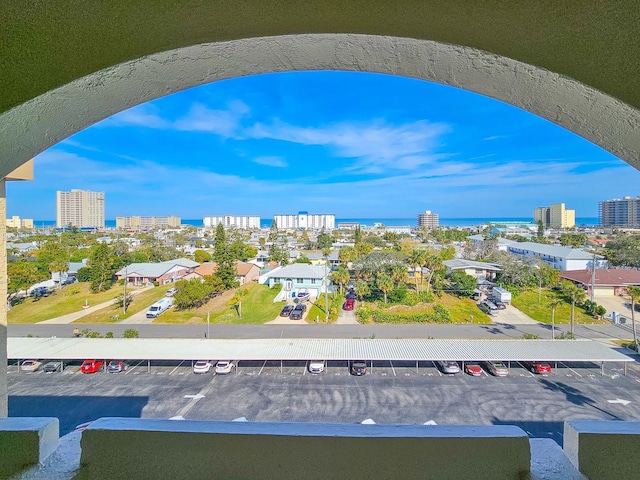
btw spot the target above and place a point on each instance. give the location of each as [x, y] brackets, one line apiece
[369, 222]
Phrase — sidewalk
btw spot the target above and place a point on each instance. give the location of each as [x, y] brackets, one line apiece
[72, 317]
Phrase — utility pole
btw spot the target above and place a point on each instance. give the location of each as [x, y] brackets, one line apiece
[593, 277]
[124, 296]
[326, 291]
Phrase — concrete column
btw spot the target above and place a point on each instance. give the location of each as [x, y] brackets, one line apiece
[4, 395]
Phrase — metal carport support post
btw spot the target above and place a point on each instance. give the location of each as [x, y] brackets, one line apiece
[148, 366]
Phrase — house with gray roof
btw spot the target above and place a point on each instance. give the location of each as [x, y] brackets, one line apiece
[561, 258]
[295, 277]
[478, 270]
[162, 272]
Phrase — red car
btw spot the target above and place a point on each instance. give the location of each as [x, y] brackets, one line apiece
[91, 366]
[473, 369]
[349, 304]
[537, 367]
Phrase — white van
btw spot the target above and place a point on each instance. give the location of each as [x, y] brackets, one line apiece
[159, 307]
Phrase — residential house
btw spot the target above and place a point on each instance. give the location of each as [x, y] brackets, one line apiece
[605, 282]
[295, 277]
[163, 272]
[247, 272]
[478, 270]
[317, 258]
[70, 273]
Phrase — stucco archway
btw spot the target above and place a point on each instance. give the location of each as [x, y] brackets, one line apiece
[32, 127]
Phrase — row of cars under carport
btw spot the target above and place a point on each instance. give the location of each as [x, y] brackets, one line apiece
[356, 367]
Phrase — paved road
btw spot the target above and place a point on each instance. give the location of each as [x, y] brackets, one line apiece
[390, 393]
[608, 331]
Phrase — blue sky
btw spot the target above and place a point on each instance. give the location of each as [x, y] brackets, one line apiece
[353, 144]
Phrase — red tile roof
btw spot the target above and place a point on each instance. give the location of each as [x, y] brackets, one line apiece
[614, 277]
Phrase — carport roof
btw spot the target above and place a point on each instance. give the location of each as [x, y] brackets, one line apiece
[307, 349]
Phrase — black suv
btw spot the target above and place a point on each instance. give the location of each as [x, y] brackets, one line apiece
[358, 367]
[298, 312]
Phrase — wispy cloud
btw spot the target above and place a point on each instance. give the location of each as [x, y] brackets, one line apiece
[271, 161]
[225, 123]
[141, 116]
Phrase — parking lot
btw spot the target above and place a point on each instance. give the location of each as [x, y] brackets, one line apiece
[390, 392]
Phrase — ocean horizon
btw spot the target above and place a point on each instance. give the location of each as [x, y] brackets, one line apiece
[387, 222]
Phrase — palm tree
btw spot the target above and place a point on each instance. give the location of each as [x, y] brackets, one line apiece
[341, 277]
[416, 259]
[432, 263]
[385, 283]
[399, 273]
[236, 300]
[576, 295]
[553, 304]
[362, 289]
[634, 293]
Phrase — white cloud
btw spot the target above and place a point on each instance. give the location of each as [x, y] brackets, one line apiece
[140, 116]
[271, 161]
[225, 123]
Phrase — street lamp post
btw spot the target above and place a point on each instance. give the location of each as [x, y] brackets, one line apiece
[124, 296]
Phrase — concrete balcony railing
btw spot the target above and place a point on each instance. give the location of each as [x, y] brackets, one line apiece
[158, 449]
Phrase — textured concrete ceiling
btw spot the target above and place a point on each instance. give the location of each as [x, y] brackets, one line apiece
[44, 45]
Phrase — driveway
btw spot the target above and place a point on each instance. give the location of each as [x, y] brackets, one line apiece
[512, 316]
[621, 305]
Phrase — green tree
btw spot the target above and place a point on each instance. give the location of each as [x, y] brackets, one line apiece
[624, 251]
[540, 232]
[462, 284]
[202, 256]
[416, 259]
[433, 263]
[22, 275]
[362, 289]
[100, 263]
[385, 283]
[225, 262]
[341, 277]
[347, 254]
[399, 274]
[575, 295]
[634, 293]
[324, 241]
[273, 232]
[357, 235]
[303, 259]
[236, 300]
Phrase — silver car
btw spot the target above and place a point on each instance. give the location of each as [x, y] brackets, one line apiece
[449, 366]
[497, 369]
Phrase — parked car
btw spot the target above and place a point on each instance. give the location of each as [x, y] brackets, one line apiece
[351, 294]
[484, 306]
[492, 306]
[316, 366]
[91, 366]
[171, 292]
[537, 367]
[202, 366]
[223, 367]
[117, 366]
[298, 312]
[473, 369]
[499, 304]
[39, 292]
[358, 367]
[30, 365]
[69, 281]
[449, 366]
[286, 310]
[497, 369]
[349, 304]
[54, 366]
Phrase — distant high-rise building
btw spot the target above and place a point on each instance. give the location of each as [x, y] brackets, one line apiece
[17, 222]
[306, 221]
[237, 221]
[80, 208]
[428, 219]
[623, 212]
[555, 216]
[147, 223]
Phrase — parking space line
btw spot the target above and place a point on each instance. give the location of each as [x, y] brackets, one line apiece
[261, 368]
[177, 367]
[304, 372]
[435, 366]
[526, 369]
[570, 369]
[129, 370]
[392, 369]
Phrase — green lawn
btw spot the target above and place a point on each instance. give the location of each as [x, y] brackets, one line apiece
[462, 310]
[527, 302]
[69, 299]
[140, 302]
[257, 308]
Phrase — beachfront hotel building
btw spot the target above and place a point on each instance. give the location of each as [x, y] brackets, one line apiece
[428, 219]
[555, 216]
[80, 209]
[228, 221]
[147, 223]
[306, 221]
[623, 212]
[17, 222]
